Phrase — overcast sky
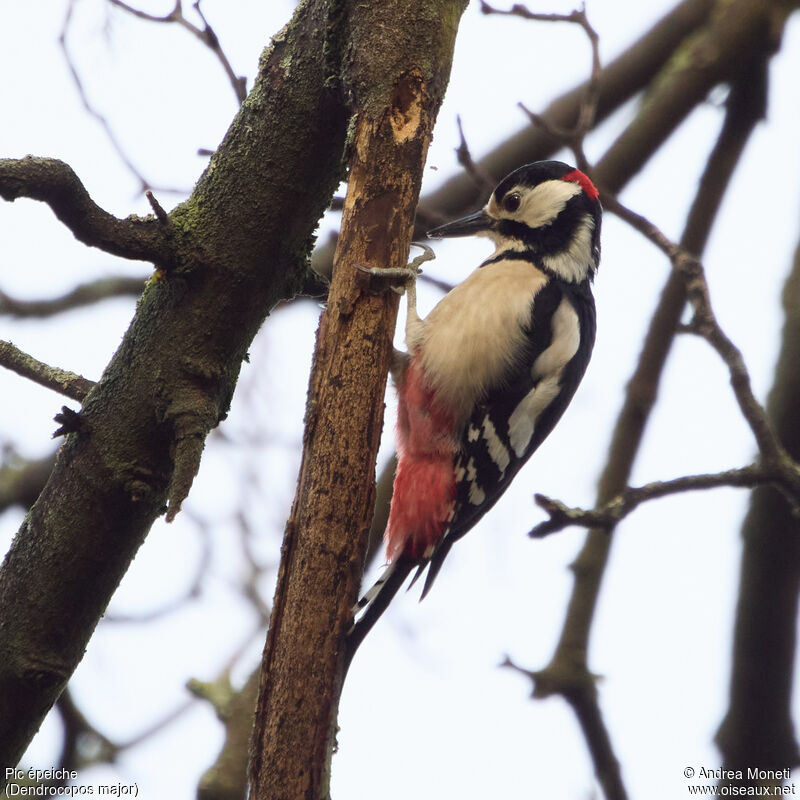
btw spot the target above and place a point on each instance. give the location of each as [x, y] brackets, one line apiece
[426, 712]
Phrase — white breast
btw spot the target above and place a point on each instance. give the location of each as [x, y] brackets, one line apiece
[477, 331]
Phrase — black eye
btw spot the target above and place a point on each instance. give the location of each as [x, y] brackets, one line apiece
[511, 202]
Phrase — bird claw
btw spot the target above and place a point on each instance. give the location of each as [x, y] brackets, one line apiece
[398, 278]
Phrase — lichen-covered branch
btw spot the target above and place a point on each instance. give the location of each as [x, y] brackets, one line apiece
[67, 383]
[226, 264]
[53, 182]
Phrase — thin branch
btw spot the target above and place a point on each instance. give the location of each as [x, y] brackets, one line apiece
[55, 183]
[95, 114]
[22, 480]
[82, 295]
[445, 286]
[73, 386]
[481, 178]
[609, 514]
[205, 34]
[579, 689]
[193, 590]
[587, 112]
[705, 324]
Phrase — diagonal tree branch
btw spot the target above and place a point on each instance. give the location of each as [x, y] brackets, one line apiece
[55, 183]
[785, 472]
[206, 35]
[614, 511]
[142, 429]
[69, 384]
[83, 295]
[620, 80]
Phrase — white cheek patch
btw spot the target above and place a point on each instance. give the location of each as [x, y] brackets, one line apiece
[542, 204]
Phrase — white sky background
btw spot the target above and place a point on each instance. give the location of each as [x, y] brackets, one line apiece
[425, 712]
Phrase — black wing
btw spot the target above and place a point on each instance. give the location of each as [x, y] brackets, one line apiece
[486, 463]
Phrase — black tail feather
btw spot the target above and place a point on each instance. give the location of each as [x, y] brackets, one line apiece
[434, 565]
[375, 602]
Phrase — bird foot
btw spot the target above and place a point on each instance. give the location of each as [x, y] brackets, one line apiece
[398, 279]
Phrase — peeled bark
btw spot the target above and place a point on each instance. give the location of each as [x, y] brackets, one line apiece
[398, 65]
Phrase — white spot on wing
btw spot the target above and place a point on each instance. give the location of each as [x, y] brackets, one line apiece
[497, 450]
[476, 494]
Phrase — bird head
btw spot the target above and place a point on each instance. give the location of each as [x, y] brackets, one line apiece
[546, 212]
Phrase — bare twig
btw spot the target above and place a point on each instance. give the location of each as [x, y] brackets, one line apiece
[445, 286]
[610, 513]
[579, 688]
[69, 384]
[158, 210]
[205, 34]
[192, 591]
[706, 325]
[587, 112]
[481, 178]
[83, 295]
[86, 746]
[55, 183]
[95, 114]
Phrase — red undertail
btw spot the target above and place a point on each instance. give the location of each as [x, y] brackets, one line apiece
[424, 485]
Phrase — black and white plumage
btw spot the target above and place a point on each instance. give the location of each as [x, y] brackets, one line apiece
[492, 368]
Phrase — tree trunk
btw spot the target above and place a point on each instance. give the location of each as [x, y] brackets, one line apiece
[398, 63]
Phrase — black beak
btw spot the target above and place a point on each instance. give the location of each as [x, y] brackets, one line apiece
[479, 222]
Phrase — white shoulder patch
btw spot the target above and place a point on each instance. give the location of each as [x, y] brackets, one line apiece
[546, 371]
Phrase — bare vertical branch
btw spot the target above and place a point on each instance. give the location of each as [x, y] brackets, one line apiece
[758, 731]
[397, 89]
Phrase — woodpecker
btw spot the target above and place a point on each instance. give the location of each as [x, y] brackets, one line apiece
[490, 370]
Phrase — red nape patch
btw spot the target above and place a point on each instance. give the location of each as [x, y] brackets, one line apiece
[576, 176]
[424, 494]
